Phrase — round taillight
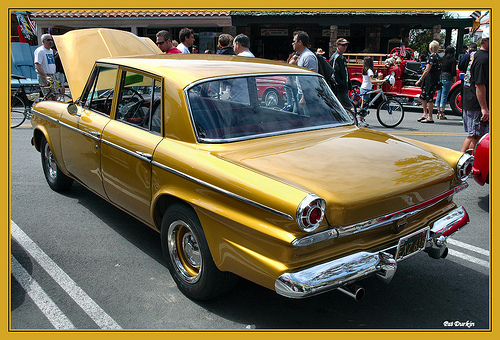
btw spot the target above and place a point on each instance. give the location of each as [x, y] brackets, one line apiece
[464, 166]
[310, 213]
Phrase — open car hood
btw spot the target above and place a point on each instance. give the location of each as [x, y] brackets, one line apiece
[80, 49]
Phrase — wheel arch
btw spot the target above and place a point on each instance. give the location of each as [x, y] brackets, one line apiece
[36, 140]
[162, 203]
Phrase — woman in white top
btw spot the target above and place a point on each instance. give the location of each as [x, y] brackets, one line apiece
[368, 80]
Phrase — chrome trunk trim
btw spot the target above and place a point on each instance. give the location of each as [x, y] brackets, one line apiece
[375, 222]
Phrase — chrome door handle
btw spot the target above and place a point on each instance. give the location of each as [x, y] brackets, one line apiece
[144, 155]
[95, 133]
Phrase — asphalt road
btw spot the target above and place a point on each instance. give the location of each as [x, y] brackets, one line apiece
[79, 262]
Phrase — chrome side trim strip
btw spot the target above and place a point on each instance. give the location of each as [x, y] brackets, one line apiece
[223, 191]
[147, 158]
[91, 134]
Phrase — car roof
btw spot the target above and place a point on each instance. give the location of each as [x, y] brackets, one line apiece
[188, 68]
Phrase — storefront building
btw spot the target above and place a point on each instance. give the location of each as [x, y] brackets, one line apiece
[271, 32]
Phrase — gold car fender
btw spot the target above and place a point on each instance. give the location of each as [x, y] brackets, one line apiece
[48, 127]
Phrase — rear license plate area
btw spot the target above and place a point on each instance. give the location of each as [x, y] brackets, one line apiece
[412, 244]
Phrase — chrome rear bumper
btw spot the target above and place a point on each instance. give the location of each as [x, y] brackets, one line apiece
[346, 270]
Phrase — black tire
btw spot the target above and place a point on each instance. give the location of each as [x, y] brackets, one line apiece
[18, 111]
[56, 180]
[455, 100]
[188, 257]
[390, 113]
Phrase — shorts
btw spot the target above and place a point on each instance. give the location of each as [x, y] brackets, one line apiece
[44, 83]
[364, 95]
[429, 89]
[473, 124]
[59, 77]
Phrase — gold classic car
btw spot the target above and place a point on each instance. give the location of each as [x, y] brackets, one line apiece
[296, 198]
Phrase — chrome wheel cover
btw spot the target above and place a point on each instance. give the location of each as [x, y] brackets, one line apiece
[271, 98]
[184, 251]
[50, 163]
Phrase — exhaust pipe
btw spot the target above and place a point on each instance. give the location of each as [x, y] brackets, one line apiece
[354, 291]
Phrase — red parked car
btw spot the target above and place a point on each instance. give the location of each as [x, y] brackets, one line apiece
[480, 170]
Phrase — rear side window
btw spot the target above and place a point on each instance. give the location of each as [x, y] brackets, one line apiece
[139, 101]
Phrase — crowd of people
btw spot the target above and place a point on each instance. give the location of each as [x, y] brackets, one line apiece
[437, 77]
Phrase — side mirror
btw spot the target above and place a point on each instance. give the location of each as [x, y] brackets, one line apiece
[72, 109]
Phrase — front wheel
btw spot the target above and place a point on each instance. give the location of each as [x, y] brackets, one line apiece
[18, 111]
[390, 113]
[56, 180]
[188, 257]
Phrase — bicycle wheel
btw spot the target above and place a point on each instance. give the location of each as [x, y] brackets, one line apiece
[18, 111]
[390, 113]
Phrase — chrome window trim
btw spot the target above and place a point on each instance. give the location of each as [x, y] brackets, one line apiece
[270, 134]
[222, 191]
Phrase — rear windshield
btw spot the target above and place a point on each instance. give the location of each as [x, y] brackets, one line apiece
[240, 108]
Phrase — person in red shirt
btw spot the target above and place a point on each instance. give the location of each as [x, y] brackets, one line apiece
[164, 42]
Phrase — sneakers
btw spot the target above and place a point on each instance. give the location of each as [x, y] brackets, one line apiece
[362, 123]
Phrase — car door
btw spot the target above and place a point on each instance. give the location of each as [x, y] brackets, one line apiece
[129, 141]
[81, 137]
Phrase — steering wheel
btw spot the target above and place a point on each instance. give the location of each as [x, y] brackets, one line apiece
[397, 52]
[109, 97]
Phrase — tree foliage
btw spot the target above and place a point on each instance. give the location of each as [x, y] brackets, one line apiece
[419, 40]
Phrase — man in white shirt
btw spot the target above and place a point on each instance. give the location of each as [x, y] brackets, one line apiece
[45, 64]
[186, 37]
[242, 46]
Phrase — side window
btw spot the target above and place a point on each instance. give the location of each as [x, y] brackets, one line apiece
[139, 101]
[99, 93]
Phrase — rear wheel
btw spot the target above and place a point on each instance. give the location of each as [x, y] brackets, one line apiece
[18, 111]
[188, 257]
[55, 178]
[390, 113]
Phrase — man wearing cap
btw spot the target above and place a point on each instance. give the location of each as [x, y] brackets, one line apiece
[342, 82]
[475, 102]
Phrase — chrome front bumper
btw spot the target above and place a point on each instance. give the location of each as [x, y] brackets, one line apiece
[346, 270]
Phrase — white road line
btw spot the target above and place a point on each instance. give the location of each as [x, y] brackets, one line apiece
[103, 320]
[39, 297]
[469, 258]
[468, 247]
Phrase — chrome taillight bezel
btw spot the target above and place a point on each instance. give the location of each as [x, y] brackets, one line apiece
[304, 212]
[464, 166]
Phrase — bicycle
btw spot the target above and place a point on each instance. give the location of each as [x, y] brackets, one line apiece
[390, 112]
[21, 101]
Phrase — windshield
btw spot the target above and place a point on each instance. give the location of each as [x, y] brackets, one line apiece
[240, 108]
